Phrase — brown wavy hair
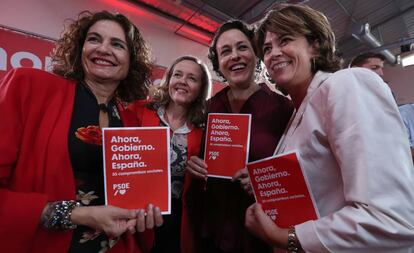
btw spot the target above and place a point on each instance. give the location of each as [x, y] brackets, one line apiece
[301, 20]
[197, 110]
[66, 57]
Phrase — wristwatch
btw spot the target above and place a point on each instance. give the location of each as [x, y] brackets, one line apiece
[293, 242]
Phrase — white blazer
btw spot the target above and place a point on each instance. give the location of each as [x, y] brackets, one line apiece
[355, 154]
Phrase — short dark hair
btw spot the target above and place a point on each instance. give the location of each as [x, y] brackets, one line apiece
[67, 54]
[361, 59]
[229, 25]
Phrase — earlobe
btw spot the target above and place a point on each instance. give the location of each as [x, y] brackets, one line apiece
[315, 46]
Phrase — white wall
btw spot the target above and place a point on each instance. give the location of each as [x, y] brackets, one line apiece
[47, 17]
[401, 82]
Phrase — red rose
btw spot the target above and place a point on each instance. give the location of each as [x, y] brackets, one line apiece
[90, 135]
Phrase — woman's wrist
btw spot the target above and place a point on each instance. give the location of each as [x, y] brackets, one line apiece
[57, 215]
[293, 245]
[79, 215]
[279, 238]
[286, 239]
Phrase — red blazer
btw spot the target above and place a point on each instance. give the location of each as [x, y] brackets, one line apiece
[192, 189]
[35, 167]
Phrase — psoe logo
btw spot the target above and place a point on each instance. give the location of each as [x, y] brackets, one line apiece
[213, 155]
[272, 213]
[120, 188]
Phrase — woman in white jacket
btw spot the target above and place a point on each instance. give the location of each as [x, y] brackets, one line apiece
[351, 141]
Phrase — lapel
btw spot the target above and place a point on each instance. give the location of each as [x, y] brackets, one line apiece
[297, 115]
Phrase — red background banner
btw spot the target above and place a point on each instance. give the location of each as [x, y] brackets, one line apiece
[21, 49]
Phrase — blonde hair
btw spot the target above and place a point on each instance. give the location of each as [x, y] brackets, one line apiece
[197, 110]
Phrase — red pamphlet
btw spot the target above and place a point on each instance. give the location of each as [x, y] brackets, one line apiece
[281, 187]
[137, 167]
[227, 143]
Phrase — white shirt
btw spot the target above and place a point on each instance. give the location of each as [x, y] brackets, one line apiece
[178, 154]
[407, 114]
[354, 152]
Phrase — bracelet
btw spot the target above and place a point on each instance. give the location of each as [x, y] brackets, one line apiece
[57, 215]
[293, 242]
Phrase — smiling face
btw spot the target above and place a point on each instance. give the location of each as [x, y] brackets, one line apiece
[185, 82]
[105, 54]
[288, 60]
[236, 58]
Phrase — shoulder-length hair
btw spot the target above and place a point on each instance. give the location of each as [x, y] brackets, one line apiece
[197, 109]
[301, 20]
[67, 55]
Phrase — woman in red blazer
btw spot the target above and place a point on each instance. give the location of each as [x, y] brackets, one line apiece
[179, 102]
[51, 176]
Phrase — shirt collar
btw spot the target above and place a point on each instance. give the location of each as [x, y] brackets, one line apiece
[184, 129]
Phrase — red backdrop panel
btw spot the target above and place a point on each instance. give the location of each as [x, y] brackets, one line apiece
[20, 49]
